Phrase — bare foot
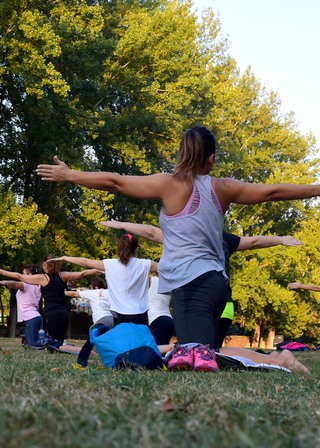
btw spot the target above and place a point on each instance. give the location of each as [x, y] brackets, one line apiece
[288, 360]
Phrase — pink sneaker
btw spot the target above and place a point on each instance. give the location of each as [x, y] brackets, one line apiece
[204, 359]
[181, 358]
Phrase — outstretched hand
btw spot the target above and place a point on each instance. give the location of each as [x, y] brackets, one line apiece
[54, 173]
[52, 260]
[289, 240]
[113, 224]
[294, 285]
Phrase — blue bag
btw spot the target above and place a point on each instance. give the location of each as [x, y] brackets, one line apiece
[126, 345]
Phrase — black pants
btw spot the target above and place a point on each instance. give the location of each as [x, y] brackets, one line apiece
[162, 329]
[223, 327]
[197, 307]
[57, 322]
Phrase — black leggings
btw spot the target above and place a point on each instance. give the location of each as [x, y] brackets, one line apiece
[197, 307]
[57, 324]
[223, 326]
[162, 329]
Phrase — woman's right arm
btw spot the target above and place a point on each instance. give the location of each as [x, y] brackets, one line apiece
[154, 267]
[73, 276]
[264, 241]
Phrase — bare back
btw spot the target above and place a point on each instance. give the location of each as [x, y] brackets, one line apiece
[175, 194]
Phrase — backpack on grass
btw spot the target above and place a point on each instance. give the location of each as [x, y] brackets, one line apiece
[293, 346]
[126, 345]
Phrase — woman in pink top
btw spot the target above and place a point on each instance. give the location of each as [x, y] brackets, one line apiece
[28, 298]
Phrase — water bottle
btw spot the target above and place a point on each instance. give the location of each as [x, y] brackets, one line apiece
[42, 338]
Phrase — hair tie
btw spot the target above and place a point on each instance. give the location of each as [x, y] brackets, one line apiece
[129, 236]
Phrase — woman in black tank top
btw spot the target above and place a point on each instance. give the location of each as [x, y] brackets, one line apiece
[52, 282]
[55, 309]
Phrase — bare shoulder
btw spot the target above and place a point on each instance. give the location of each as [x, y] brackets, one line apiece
[232, 190]
[165, 184]
[163, 178]
[151, 186]
[224, 183]
[229, 186]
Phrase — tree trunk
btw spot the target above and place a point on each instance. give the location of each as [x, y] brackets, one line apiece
[2, 321]
[13, 314]
[256, 336]
[270, 339]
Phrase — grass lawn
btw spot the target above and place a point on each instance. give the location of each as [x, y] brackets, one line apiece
[46, 403]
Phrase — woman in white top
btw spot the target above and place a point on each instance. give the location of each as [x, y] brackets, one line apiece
[127, 278]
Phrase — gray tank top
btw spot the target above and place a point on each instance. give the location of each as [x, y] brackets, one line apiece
[192, 240]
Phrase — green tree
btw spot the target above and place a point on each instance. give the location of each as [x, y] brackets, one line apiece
[111, 85]
[260, 279]
[258, 143]
[107, 85]
[21, 227]
[21, 242]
